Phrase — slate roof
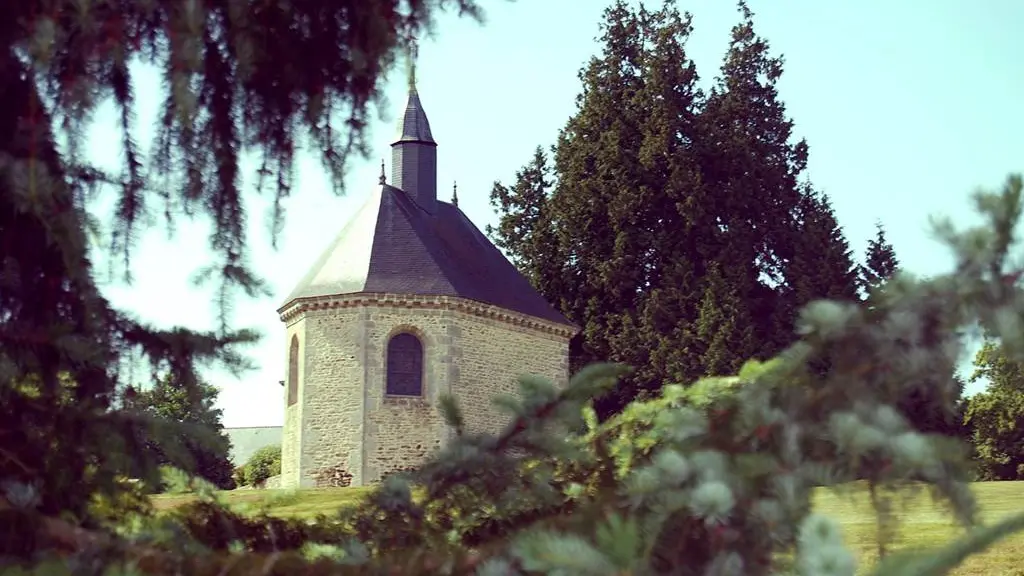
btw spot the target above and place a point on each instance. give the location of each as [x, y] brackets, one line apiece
[414, 126]
[392, 245]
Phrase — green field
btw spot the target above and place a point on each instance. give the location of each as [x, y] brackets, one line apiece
[923, 523]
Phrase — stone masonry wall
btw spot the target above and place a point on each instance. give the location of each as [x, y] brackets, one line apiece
[332, 392]
[489, 356]
[401, 431]
[291, 440]
[348, 421]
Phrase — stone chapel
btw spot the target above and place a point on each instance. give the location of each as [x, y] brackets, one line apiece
[410, 300]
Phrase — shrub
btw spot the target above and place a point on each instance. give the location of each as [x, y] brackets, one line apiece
[263, 464]
[715, 478]
[238, 475]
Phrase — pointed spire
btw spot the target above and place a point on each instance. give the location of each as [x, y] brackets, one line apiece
[414, 126]
[383, 178]
[414, 151]
[455, 193]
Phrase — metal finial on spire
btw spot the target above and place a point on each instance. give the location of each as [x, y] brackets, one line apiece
[455, 193]
[383, 178]
[412, 55]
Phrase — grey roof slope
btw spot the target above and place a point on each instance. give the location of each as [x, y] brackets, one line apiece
[391, 245]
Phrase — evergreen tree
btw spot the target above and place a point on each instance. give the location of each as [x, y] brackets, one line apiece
[778, 238]
[926, 404]
[658, 185]
[821, 265]
[524, 228]
[659, 333]
[749, 162]
[721, 328]
[197, 440]
[596, 161]
[880, 262]
[627, 206]
[242, 76]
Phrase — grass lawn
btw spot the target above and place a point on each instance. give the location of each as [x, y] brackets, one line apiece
[926, 524]
[923, 523]
[282, 503]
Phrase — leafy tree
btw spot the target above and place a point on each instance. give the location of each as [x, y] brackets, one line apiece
[880, 262]
[995, 417]
[242, 77]
[263, 464]
[199, 442]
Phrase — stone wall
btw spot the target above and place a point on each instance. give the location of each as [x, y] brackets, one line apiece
[490, 356]
[402, 431]
[291, 436]
[471, 350]
[331, 393]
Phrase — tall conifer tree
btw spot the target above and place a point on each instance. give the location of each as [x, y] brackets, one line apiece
[525, 230]
[684, 235]
[751, 164]
[627, 205]
[821, 263]
[880, 262]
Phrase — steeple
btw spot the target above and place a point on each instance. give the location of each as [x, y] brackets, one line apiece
[414, 152]
[455, 193]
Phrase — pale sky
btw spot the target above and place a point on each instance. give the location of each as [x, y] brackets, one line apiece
[907, 107]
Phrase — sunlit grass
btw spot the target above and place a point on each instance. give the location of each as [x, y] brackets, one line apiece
[282, 503]
[923, 523]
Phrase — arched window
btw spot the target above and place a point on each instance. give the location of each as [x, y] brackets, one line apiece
[293, 371]
[405, 366]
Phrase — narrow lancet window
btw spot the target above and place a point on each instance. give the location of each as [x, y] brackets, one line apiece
[405, 366]
[293, 371]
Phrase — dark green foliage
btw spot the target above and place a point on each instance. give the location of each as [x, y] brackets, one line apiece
[242, 76]
[995, 417]
[721, 330]
[821, 265]
[263, 464]
[712, 478]
[927, 404]
[198, 442]
[217, 528]
[673, 226]
[937, 409]
[522, 231]
[880, 262]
